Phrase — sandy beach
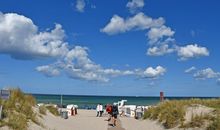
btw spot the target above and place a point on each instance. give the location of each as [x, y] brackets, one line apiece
[87, 120]
[84, 120]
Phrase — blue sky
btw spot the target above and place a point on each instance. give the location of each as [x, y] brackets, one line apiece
[126, 47]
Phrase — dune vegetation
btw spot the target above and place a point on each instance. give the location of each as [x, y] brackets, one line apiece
[173, 114]
[18, 110]
[42, 110]
[52, 110]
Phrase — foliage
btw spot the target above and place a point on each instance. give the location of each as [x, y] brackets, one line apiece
[198, 121]
[53, 110]
[17, 121]
[18, 110]
[169, 113]
[215, 125]
[172, 113]
[42, 110]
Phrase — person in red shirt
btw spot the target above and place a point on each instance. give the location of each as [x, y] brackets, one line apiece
[109, 111]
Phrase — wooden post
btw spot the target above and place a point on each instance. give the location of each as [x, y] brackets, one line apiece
[1, 112]
[61, 100]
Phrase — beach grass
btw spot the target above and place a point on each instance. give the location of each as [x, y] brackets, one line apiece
[43, 110]
[18, 110]
[197, 121]
[53, 110]
[172, 114]
[215, 125]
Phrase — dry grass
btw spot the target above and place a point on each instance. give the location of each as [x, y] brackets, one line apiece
[53, 110]
[18, 110]
[172, 114]
[198, 121]
[43, 110]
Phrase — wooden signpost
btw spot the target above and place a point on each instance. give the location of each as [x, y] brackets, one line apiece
[4, 94]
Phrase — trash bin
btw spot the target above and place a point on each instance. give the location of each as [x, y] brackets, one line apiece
[64, 114]
[61, 114]
[139, 115]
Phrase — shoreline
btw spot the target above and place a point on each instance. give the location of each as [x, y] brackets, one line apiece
[129, 96]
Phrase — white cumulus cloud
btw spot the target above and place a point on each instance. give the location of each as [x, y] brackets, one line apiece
[160, 50]
[135, 5]
[80, 5]
[157, 33]
[139, 21]
[78, 65]
[206, 74]
[21, 39]
[150, 72]
[160, 37]
[192, 51]
[48, 70]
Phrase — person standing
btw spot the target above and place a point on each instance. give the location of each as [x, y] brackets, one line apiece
[114, 114]
[98, 110]
[109, 111]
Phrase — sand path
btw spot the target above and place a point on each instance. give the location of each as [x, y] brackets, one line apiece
[118, 127]
[85, 120]
[133, 124]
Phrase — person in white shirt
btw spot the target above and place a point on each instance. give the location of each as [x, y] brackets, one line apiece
[98, 110]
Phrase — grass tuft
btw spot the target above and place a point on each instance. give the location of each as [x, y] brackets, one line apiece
[18, 110]
[53, 110]
[172, 113]
[42, 110]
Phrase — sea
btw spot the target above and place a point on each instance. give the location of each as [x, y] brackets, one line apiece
[90, 102]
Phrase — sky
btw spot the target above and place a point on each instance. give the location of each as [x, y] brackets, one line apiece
[117, 48]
